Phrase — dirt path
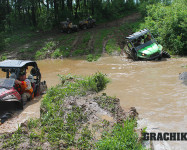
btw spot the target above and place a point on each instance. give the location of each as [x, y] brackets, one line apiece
[28, 49]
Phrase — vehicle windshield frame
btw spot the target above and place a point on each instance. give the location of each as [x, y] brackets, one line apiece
[7, 83]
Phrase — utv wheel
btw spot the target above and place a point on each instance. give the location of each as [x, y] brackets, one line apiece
[135, 58]
[160, 58]
[20, 105]
[165, 54]
[134, 55]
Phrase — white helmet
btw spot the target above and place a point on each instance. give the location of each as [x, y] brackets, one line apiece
[31, 78]
[13, 76]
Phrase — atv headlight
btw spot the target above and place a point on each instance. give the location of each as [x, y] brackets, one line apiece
[143, 54]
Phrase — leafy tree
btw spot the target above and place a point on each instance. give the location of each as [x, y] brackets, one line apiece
[168, 23]
[2, 21]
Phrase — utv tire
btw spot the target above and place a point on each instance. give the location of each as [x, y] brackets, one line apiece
[135, 58]
[165, 54]
[134, 55]
[160, 57]
[20, 105]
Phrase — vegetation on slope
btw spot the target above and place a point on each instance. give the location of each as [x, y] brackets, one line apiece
[168, 23]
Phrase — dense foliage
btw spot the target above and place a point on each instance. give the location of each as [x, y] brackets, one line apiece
[168, 23]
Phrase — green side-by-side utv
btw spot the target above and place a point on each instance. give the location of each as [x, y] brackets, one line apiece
[142, 46]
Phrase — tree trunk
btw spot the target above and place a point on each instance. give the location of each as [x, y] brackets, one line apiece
[47, 5]
[56, 10]
[76, 8]
[33, 15]
[62, 4]
[69, 4]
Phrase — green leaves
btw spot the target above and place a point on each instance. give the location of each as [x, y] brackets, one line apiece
[168, 25]
[121, 137]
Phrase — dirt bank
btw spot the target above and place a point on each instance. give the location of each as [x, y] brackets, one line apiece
[102, 112]
[78, 43]
[75, 121]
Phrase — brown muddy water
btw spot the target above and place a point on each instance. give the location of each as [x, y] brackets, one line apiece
[153, 87]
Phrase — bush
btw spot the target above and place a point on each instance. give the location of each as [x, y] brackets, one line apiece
[56, 53]
[122, 136]
[90, 58]
[3, 57]
[101, 81]
[169, 25]
[78, 52]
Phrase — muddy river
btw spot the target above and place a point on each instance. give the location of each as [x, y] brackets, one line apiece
[152, 87]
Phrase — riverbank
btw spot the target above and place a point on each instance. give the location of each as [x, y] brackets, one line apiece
[91, 43]
[74, 116]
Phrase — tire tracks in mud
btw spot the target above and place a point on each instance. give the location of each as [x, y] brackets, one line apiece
[95, 31]
[76, 42]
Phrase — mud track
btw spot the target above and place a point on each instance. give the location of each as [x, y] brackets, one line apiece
[13, 51]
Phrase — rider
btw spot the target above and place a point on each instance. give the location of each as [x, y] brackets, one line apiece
[25, 90]
[89, 18]
[148, 38]
[69, 22]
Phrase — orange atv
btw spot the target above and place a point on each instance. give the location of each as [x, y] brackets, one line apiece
[68, 27]
[89, 23]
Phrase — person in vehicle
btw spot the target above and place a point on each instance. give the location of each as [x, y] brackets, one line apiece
[148, 38]
[137, 42]
[69, 23]
[24, 87]
[89, 18]
[13, 76]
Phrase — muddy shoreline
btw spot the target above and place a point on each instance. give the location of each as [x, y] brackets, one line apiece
[75, 108]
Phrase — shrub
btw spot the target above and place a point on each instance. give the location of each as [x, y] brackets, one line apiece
[3, 57]
[56, 53]
[101, 81]
[169, 25]
[122, 136]
[90, 58]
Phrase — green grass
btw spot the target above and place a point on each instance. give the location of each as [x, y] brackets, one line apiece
[3, 57]
[99, 39]
[19, 37]
[112, 46]
[92, 57]
[107, 103]
[83, 45]
[121, 137]
[49, 46]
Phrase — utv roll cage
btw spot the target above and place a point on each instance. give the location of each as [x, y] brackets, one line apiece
[137, 35]
[15, 66]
